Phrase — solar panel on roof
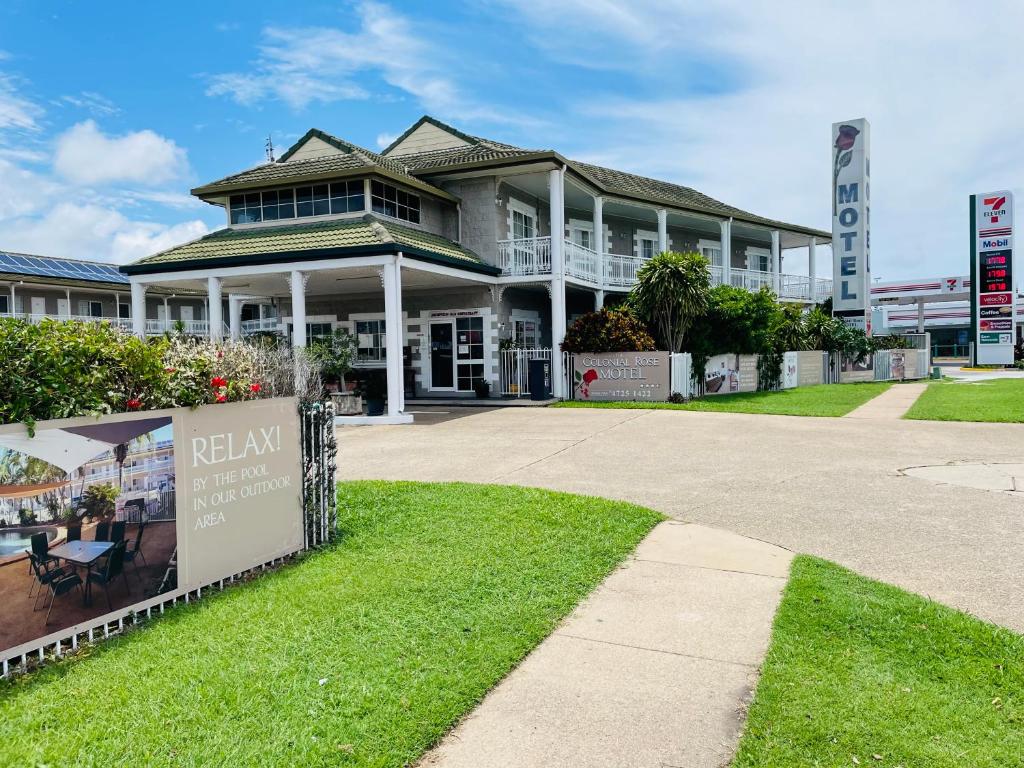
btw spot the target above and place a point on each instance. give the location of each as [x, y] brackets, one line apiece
[41, 266]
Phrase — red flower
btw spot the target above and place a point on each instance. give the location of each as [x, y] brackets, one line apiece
[589, 376]
[133, 404]
[170, 370]
[222, 398]
[217, 382]
[847, 137]
[254, 388]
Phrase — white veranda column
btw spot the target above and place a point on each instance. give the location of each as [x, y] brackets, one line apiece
[920, 317]
[776, 261]
[298, 281]
[598, 299]
[662, 230]
[598, 243]
[556, 185]
[812, 274]
[393, 334]
[726, 245]
[138, 309]
[235, 317]
[215, 294]
[67, 300]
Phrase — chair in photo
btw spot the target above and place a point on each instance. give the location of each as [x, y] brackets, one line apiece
[61, 585]
[117, 531]
[74, 533]
[110, 571]
[102, 531]
[44, 572]
[41, 548]
[131, 555]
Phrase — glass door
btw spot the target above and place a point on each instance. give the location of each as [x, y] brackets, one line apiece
[442, 358]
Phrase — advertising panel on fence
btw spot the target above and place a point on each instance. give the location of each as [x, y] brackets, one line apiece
[897, 364]
[810, 368]
[853, 371]
[791, 370]
[99, 514]
[621, 376]
[725, 374]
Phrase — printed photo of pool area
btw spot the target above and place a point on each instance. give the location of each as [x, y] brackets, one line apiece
[87, 523]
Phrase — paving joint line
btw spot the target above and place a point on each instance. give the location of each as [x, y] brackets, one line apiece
[710, 568]
[745, 665]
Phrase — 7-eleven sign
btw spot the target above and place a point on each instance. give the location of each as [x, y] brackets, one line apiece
[994, 208]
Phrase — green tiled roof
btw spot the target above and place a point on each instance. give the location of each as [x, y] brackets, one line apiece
[322, 239]
[441, 159]
[351, 160]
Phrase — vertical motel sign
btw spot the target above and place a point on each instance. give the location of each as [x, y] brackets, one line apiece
[993, 296]
[851, 230]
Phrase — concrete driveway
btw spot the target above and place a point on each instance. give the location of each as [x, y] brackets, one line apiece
[829, 487]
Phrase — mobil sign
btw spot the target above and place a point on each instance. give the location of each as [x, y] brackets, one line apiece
[851, 230]
[992, 276]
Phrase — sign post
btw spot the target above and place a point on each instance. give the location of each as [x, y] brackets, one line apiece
[993, 296]
[851, 216]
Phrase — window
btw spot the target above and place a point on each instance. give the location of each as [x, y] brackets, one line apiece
[372, 340]
[347, 196]
[582, 233]
[759, 259]
[318, 331]
[711, 251]
[90, 308]
[124, 310]
[646, 244]
[469, 334]
[5, 305]
[300, 202]
[394, 202]
[525, 332]
[647, 249]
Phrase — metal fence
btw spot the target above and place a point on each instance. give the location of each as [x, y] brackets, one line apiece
[319, 466]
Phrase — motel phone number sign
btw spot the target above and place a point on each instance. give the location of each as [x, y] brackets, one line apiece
[993, 297]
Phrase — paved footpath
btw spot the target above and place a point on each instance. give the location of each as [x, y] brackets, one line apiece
[891, 404]
[652, 670]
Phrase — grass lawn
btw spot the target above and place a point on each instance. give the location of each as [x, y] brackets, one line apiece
[860, 672]
[363, 654]
[991, 400]
[822, 400]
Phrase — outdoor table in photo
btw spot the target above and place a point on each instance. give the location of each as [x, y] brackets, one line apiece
[82, 553]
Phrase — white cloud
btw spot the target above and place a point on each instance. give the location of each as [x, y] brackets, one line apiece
[934, 79]
[385, 139]
[95, 232]
[92, 102]
[86, 156]
[301, 66]
[16, 112]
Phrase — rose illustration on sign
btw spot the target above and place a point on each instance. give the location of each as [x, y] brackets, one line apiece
[583, 381]
[844, 144]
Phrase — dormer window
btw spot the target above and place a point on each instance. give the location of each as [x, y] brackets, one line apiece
[395, 202]
[298, 202]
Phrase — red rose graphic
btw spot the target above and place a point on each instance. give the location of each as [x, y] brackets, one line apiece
[844, 143]
[847, 137]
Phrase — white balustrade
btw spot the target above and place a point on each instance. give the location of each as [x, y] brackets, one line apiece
[525, 257]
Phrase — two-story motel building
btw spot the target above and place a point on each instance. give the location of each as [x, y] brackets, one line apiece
[459, 241]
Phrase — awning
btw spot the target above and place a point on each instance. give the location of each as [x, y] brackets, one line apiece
[28, 491]
[71, 447]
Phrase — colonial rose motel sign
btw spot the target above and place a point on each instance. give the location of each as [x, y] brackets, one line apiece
[851, 231]
[993, 305]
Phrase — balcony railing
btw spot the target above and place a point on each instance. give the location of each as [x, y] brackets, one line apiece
[35, 317]
[525, 257]
[153, 327]
[785, 286]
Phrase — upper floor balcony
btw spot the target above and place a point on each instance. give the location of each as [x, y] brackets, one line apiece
[531, 257]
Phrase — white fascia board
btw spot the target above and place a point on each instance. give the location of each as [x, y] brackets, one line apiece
[277, 268]
[411, 262]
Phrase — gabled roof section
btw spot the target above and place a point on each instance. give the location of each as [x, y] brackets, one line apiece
[314, 240]
[459, 138]
[349, 160]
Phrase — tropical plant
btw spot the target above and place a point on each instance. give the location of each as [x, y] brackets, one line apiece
[671, 292]
[99, 500]
[335, 354]
[607, 330]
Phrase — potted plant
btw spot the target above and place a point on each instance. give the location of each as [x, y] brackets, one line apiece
[482, 389]
[98, 501]
[375, 389]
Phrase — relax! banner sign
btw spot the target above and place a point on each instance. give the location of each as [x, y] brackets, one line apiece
[121, 509]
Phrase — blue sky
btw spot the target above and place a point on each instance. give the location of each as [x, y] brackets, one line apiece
[110, 112]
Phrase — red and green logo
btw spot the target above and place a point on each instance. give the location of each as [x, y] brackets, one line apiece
[583, 381]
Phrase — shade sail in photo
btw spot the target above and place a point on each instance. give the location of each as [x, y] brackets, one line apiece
[71, 447]
[28, 491]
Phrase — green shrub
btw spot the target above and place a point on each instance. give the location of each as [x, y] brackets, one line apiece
[99, 500]
[608, 330]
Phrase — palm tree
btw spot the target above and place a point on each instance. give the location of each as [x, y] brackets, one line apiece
[671, 292]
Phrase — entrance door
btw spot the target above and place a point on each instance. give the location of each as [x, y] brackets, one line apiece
[38, 305]
[442, 363]
[186, 314]
[63, 307]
